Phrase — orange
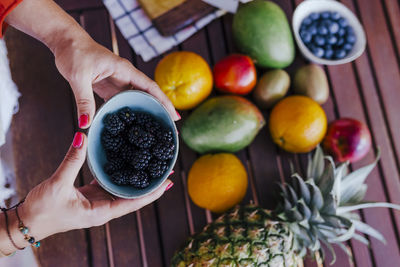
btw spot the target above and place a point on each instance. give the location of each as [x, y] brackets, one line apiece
[185, 78]
[297, 124]
[217, 182]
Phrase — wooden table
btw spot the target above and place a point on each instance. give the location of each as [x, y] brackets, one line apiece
[367, 89]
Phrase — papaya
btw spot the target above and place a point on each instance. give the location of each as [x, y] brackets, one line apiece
[222, 124]
[261, 30]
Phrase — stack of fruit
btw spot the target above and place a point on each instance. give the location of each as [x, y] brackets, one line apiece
[312, 211]
[138, 147]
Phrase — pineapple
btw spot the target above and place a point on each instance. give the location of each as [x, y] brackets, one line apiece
[313, 211]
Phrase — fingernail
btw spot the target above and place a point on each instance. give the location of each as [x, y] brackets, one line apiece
[83, 120]
[169, 186]
[172, 172]
[78, 140]
[178, 115]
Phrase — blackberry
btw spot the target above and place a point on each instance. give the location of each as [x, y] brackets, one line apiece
[127, 116]
[113, 166]
[112, 155]
[165, 136]
[122, 177]
[152, 127]
[140, 138]
[141, 159]
[113, 124]
[143, 118]
[140, 179]
[127, 153]
[110, 142]
[163, 151]
[157, 168]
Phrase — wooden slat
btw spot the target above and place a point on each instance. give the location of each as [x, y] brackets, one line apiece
[392, 9]
[385, 66]
[42, 132]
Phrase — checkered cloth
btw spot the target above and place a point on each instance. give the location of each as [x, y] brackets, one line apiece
[143, 37]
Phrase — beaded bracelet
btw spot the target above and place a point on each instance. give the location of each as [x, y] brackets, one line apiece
[24, 230]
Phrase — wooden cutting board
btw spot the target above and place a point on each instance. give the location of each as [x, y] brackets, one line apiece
[169, 16]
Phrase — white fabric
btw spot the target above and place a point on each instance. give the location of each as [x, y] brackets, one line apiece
[143, 37]
[8, 106]
[8, 93]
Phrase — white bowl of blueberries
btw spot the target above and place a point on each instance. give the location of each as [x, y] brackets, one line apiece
[327, 32]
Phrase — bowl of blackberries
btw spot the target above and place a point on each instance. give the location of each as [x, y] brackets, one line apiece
[132, 144]
[327, 32]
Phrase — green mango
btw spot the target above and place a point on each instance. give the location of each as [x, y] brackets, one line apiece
[222, 124]
[261, 30]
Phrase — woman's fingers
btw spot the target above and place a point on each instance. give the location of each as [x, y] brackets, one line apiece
[73, 161]
[120, 207]
[84, 101]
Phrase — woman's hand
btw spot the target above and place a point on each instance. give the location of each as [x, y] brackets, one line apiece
[56, 205]
[89, 67]
[86, 65]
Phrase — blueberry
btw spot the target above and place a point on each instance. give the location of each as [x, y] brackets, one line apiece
[312, 29]
[305, 36]
[334, 28]
[331, 39]
[340, 53]
[306, 21]
[327, 23]
[349, 30]
[319, 40]
[347, 47]
[326, 15]
[335, 16]
[342, 32]
[314, 16]
[351, 38]
[340, 42]
[328, 53]
[322, 30]
[318, 51]
[343, 22]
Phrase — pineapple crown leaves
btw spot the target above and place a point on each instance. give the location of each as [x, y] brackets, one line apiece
[320, 208]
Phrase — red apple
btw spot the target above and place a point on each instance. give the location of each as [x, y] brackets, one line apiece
[347, 140]
[235, 74]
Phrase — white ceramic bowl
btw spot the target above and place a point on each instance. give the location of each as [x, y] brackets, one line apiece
[307, 7]
[96, 156]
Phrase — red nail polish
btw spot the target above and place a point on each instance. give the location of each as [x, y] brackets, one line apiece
[178, 115]
[172, 172]
[78, 140]
[83, 120]
[169, 186]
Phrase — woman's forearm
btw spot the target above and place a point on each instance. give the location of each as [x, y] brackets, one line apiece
[47, 22]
